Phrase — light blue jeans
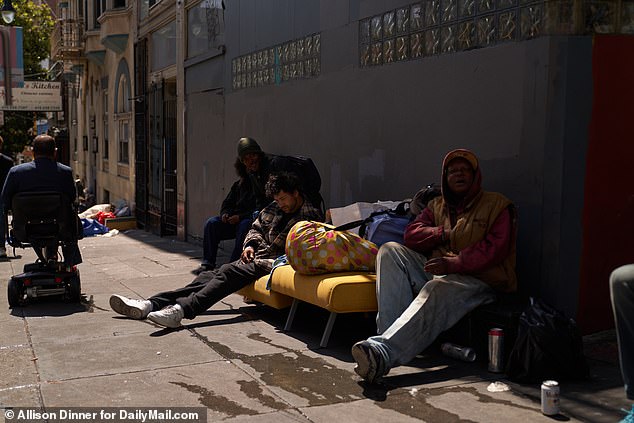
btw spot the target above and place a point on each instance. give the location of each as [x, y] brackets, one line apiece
[415, 307]
[622, 296]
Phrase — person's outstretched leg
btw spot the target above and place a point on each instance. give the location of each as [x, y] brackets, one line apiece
[438, 306]
[622, 295]
[226, 280]
[139, 309]
[400, 276]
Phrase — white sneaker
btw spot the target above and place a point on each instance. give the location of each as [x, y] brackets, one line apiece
[170, 316]
[135, 309]
[3, 252]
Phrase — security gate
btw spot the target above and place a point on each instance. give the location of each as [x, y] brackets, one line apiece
[155, 152]
[162, 158]
[140, 134]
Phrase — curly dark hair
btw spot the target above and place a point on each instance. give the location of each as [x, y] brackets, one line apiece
[282, 181]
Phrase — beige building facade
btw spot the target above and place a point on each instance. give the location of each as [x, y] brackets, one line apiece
[93, 45]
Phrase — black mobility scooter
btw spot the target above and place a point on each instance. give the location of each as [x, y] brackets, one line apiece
[44, 221]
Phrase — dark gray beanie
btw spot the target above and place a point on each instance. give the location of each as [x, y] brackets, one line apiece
[248, 145]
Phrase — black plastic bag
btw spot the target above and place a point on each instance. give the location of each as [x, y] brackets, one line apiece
[548, 346]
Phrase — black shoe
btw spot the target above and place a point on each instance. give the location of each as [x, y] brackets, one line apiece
[202, 268]
[370, 365]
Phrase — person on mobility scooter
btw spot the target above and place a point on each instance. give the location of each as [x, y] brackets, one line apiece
[41, 196]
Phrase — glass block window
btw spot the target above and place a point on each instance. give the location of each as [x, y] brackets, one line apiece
[205, 27]
[627, 17]
[289, 61]
[431, 27]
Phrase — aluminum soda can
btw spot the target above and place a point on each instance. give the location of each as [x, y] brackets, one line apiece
[457, 351]
[496, 350]
[550, 398]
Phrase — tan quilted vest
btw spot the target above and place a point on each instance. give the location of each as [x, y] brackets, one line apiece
[472, 225]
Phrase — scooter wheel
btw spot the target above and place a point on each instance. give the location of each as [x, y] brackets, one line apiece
[74, 289]
[13, 294]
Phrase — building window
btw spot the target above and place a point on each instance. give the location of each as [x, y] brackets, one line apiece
[105, 125]
[164, 46]
[123, 90]
[99, 6]
[118, 4]
[122, 110]
[145, 6]
[123, 99]
[124, 141]
[205, 27]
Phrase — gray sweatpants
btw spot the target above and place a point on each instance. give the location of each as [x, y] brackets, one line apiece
[622, 295]
[414, 306]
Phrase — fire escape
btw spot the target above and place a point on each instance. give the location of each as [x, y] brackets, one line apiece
[67, 56]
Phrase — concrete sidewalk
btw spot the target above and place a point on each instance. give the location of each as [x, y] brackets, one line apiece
[237, 363]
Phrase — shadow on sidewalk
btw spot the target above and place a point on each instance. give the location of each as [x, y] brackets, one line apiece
[169, 243]
[228, 321]
[52, 307]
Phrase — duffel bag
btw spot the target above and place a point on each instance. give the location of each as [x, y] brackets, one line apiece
[385, 228]
[314, 247]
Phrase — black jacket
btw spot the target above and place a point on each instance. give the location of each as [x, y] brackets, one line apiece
[240, 200]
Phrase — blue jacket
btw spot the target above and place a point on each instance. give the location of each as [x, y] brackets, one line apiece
[42, 174]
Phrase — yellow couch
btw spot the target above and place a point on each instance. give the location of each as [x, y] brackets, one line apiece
[335, 292]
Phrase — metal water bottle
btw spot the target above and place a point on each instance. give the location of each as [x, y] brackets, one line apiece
[496, 350]
[550, 398]
[457, 351]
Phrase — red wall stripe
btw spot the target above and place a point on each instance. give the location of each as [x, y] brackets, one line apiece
[608, 212]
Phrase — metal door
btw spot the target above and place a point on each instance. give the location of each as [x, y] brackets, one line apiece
[155, 157]
[155, 141]
[161, 184]
[169, 159]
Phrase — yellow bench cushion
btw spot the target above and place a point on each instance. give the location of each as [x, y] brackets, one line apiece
[257, 291]
[346, 292]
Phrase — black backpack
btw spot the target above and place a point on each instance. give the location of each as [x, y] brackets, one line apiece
[548, 346]
[382, 226]
[305, 169]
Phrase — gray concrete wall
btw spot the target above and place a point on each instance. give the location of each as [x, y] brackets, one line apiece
[381, 132]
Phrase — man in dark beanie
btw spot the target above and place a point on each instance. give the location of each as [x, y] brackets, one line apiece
[248, 145]
[234, 221]
[258, 165]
